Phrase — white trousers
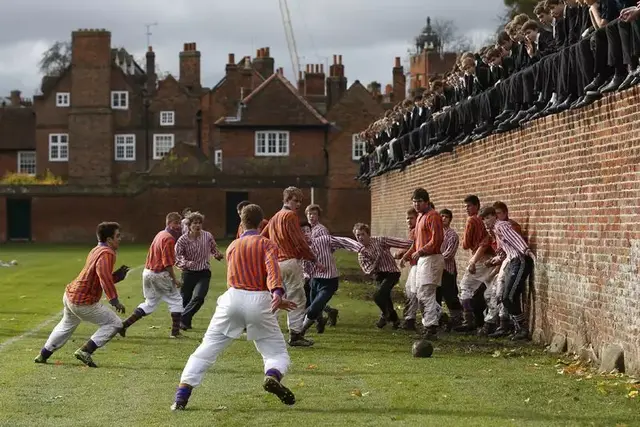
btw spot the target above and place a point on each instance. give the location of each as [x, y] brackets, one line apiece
[236, 310]
[431, 310]
[493, 295]
[157, 287]
[97, 314]
[411, 304]
[471, 282]
[293, 282]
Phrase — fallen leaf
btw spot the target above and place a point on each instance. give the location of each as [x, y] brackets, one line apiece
[356, 393]
[496, 353]
[312, 367]
[633, 394]
[527, 400]
[366, 393]
[153, 327]
[220, 408]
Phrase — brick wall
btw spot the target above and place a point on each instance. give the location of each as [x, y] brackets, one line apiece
[573, 182]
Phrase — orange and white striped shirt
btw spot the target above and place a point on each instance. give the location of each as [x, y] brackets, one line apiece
[241, 230]
[252, 263]
[96, 276]
[429, 235]
[285, 231]
[162, 252]
[475, 235]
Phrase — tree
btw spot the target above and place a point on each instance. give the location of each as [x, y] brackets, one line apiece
[520, 6]
[56, 59]
[451, 39]
[374, 87]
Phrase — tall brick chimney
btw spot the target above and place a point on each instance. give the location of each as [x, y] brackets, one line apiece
[91, 117]
[246, 75]
[151, 71]
[314, 80]
[16, 99]
[190, 66]
[399, 82]
[263, 63]
[336, 82]
[300, 83]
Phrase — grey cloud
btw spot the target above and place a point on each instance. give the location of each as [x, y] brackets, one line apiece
[367, 36]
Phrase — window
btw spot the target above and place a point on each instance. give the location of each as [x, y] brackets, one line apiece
[58, 147]
[27, 162]
[217, 159]
[272, 143]
[167, 118]
[162, 144]
[63, 99]
[357, 147]
[125, 147]
[119, 100]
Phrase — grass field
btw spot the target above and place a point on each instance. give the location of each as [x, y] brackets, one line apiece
[355, 375]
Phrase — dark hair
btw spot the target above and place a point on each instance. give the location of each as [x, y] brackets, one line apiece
[473, 199]
[420, 194]
[361, 227]
[186, 211]
[530, 25]
[503, 38]
[487, 211]
[312, 208]
[242, 204]
[304, 224]
[502, 206]
[447, 213]
[251, 216]
[106, 230]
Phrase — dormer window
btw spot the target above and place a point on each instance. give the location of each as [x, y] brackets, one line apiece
[63, 99]
[120, 100]
[167, 118]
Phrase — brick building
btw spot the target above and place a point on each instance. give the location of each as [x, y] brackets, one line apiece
[17, 135]
[110, 128]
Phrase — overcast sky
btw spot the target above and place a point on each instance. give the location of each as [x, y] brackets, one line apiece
[367, 33]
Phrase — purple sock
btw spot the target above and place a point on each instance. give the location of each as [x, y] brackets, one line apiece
[274, 373]
[182, 394]
[45, 353]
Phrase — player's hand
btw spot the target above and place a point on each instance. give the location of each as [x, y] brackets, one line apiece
[471, 268]
[416, 255]
[219, 257]
[402, 263]
[178, 284]
[121, 273]
[119, 308]
[321, 268]
[530, 254]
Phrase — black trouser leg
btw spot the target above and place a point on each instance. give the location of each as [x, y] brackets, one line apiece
[382, 297]
[516, 275]
[197, 285]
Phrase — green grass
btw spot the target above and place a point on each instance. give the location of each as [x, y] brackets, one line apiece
[355, 374]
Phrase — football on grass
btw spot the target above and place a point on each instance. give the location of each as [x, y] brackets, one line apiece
[422, 348]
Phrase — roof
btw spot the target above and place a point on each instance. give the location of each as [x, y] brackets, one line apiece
[17, 128]
[126, 62]
[355, 92]
[293, 90]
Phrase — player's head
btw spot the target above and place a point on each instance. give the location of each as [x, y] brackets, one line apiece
[313, 213]
[420, 200]
[251, 216]
[195, 220]
[186, 212]
[502, 212]
[412, 217]
[446, 216]
[471, 204]
[241, 206]
[292, 198]
[306, 230]
[362, 233]
[108, 233]
[172, 222]
[489, 217]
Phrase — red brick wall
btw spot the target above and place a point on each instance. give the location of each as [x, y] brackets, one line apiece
[8, 162]
[573, 182]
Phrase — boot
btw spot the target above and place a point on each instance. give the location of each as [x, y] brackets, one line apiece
[306, 325]
[137, 314]
[521, 331]
[298, 340]
[431, 333]
[409, 325]
[486, 329]
[455, 320]
[175, 325]
[503, 330]
[332, 313]
[468, 322]
[321, 324]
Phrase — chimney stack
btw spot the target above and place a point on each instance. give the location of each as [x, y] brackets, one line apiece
[314, 80]
[399, 82]
[16, 99]
[190, 66]
[151, 71]
[336, 82]
[263, 63]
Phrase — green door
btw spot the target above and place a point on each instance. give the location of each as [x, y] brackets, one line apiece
[19, 219]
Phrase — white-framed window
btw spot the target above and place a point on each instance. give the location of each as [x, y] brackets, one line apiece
[162, 144]
[217, 159]
[27, 162]
[357, 147]
[272, 143]
[167, 118]
[58, 147]
[63, 99]
[125, 148]
[120, 100]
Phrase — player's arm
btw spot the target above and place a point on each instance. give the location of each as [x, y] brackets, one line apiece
[345, 243]
[274, 279]
[469, 231]
[214, 249]
[394, 242]
[266, 230]
[293, 233]
[169, 259]
[104, 267]
[181, 261]
[437, 237]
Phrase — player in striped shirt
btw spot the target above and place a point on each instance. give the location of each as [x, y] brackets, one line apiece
[159, 281]
[284, 230]
[411, 300]
[519, 266]
[253, 296]
[376, 260]
[324, 282]
[449, 289]
[313, 213]
[81, 299]
[239, 208]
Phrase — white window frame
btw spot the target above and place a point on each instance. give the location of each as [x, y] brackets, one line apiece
[156, 140]
[217, 159]
[116, 95]
[357, 145]
[167, 118]
[63, 99]
[124, 141]
[55, 141]
[20, 159]
[262, 143]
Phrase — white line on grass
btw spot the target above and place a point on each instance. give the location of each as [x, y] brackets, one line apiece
[44, 324]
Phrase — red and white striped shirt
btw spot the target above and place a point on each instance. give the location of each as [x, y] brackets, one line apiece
[252, 263]
[509, 240]
[185, 225]
[449, 249]
[194, 254]
[319, 230]
[323, 247]
[95, 277]
[377, 258]
[285, 231]
[429, 234]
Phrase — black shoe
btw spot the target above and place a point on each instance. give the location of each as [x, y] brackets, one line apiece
[430, 333]
[501, 332]
[381, 323]
[185, 327]
[395, 325]
[486, 329]
[520, 335]
[273, 386]
[123, 332]
[321, 324]
[409, 325]
[298, 340]
[595, 83]
[627, 83]
[576, 102]
[588, 99]
[332, 317]
[614, 84]
[566, 104]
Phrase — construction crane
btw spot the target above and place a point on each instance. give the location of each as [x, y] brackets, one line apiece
[291, 40]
